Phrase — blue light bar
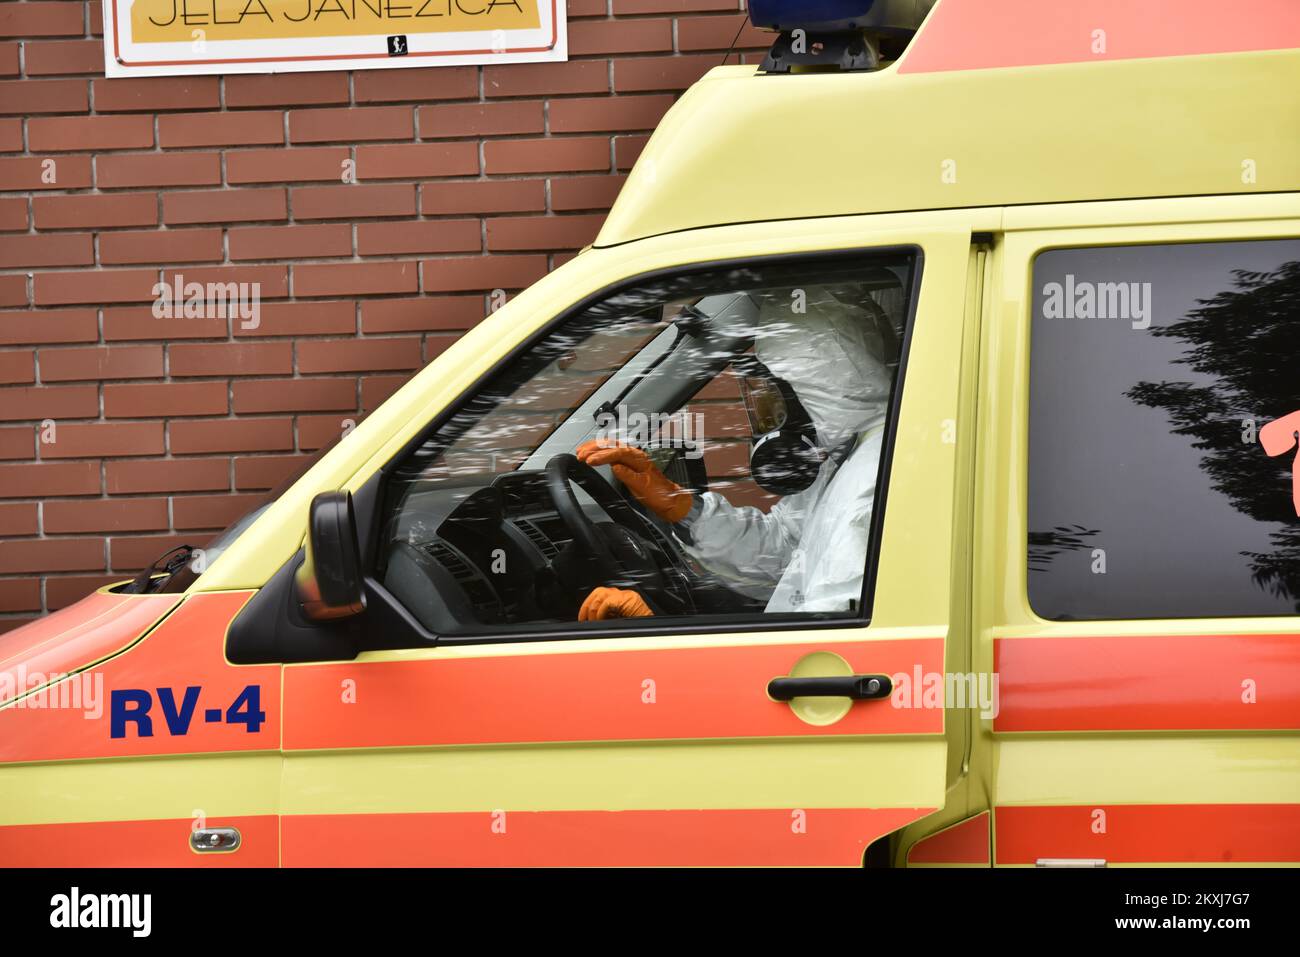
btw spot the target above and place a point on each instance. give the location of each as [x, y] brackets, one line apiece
[837, 16]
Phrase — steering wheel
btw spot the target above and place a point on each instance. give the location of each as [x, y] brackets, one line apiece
[615, 554]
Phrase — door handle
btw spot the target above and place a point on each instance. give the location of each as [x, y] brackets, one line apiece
[856, 687]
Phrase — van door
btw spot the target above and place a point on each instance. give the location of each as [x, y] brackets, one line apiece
[754, 717]
[1140, 599]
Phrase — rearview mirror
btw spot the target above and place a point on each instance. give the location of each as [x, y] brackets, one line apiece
[329, 582]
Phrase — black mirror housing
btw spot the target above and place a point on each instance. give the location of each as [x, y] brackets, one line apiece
[329, 583]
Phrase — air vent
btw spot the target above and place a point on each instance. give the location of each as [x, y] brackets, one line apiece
[450, 559]
[538, 537]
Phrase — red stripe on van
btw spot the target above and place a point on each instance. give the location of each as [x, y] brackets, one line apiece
[668, 693]
[982, 34]
[1148, 683]
[1150, 833]
[158, 843]
[966, 842]
[669, 838]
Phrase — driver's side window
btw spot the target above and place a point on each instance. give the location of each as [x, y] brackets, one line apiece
[694, 450]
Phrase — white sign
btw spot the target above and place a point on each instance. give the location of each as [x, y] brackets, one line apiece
[174, 37]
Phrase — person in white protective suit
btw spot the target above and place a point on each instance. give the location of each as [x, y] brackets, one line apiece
[809, 551]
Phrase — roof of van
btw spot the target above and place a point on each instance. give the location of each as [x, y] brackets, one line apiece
[994, 103]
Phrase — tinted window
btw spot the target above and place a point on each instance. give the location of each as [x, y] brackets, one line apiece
[1153, 371]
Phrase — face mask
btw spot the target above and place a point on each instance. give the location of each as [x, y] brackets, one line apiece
[784, 457]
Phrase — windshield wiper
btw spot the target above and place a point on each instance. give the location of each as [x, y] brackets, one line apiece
[144, 583]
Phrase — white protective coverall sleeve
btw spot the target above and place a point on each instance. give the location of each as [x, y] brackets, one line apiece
[830, 357]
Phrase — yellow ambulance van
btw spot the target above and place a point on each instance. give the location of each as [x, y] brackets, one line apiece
[905, 476]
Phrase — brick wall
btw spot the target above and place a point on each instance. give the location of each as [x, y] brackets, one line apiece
[163, 430]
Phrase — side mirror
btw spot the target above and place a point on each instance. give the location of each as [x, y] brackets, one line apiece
[329, 583]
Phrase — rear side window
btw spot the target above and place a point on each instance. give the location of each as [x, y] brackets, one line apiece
[1163, 420]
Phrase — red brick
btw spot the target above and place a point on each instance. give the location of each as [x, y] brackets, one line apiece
[230, 358]
[212, 511]
[318, 431]
[605, 37]
[575, 192]
[482, 272]
[286, 89]
[13, 290]
[25, 97]
[483, 196]
[95, 212]
[9, 65]
[435, 345]
[421, 315]
[106, 515]
[352, 202]
[44, 172]
[267, 471]
[51, 555]
[17, 442]
[136, 553]
[627, 149]
[305, 318]
[117, 285]
[572, 154]
[18, 366]
[54, 57]
[481, 119]
[351, 124]
[64, 590]
[101, 362]
[629, 7]
[199, 436]
[546, 79]
[542, 232]
[354, 279]
[358, 355]
[13, 214]
[49, 18]
[220, 129]
[76, 440]
[139, 322]
[428, 83]
[163, 246]
[53, 249]
[151, 400]
[158, 170]
[139, 94]
[50, 402]
[95, 18]
[19, 594]
[48, 479]
[375, 390]
[272, 281]
[224, 206]
[417, 160]
[433, 236]
[56, 134]
[660, 73]
[47, 326]
[287, 165]
[11, 135]
[20, 518]
[290, 242]
[719, 33]
[166, 475]
[613, 113]
[294, 395]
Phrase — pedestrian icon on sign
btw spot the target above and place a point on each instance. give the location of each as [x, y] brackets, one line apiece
[397, 46]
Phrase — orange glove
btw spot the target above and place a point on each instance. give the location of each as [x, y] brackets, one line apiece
[634, 469]
[605, 603]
